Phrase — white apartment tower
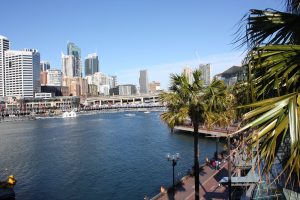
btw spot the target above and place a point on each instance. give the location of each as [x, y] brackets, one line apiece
[144, 88]
[4, 46]
[22, 73]
[205, 73]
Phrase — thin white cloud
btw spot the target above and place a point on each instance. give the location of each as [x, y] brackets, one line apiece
[161, 72]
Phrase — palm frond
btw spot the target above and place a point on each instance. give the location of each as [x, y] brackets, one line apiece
[270, 27]
[276, 120]
[274, 70]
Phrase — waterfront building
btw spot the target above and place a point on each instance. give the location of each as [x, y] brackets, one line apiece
[205, 73]
[43, 77]
[68, 65]
[91, 64]
[78, 86]
[43, 95]
[4, 46]
[100, 79]
[114, 81]
[114, 91]
[92, 90]
[126, 90]
[44, 66]
[54, 77]
[188, 72]
[104, 90]
[22, 73]
[154, 87]
[75, 51]
[56, 90]
[84, 88]
[143, 81]
[231, 75]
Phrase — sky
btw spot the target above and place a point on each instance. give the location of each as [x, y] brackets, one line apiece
[161, 36]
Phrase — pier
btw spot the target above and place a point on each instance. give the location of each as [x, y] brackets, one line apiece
[217, 132]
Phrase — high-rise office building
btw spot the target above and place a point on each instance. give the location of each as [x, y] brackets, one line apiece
[114, 81]
[91, 65]
[68, 65]
[4, 46]
[143, 80]
[74, 50]
[205, 73]
[22, 73]
[126, 90]
[45, 66]
[54, 77]
[187, 72]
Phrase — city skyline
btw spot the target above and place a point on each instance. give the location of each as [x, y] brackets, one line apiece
[131, 39]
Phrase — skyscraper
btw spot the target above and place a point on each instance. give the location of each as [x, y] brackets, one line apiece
[4, 46]
[143, 80]
[54, 77]
[45, 66]
[75, 51]
[114, 81]
[68, 65]
[187, 71]
[205, 73]
[22, 73]
[91, 64]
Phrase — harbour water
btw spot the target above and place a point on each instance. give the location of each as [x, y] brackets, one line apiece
[101, 156]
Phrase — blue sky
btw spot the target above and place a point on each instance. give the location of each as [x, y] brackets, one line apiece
[161, 36]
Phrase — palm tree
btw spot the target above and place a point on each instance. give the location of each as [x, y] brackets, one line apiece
[186, 101]
[220, 104]
[273, 63]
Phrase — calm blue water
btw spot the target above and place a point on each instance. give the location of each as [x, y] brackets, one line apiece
[102, 156]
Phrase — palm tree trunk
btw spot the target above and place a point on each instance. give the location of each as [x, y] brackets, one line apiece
[196, 160]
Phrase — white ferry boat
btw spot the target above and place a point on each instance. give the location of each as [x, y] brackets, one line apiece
[69, 114]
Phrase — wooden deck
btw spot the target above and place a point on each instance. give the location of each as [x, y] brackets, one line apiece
[213, 133]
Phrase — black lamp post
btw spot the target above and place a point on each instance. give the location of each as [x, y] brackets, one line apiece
[217, 147]
[174, 158]
[229, 167]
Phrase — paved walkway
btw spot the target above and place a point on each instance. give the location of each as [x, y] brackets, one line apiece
[209, 185]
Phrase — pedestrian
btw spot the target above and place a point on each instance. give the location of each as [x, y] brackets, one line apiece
[214, 164]
[207, 161]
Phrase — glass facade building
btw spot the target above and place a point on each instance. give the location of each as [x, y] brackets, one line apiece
[74, 50]
[91, 64]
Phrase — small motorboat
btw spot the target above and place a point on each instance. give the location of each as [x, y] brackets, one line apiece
[129, 114]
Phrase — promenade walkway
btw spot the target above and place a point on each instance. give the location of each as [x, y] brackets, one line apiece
[209, 185]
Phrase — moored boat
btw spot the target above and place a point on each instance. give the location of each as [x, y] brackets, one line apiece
[70, 114]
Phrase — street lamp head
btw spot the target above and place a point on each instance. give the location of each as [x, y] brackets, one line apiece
[173, 157]
[168, 156]
[177, 155]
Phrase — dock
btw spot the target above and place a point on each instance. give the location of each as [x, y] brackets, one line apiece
[217, 132]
